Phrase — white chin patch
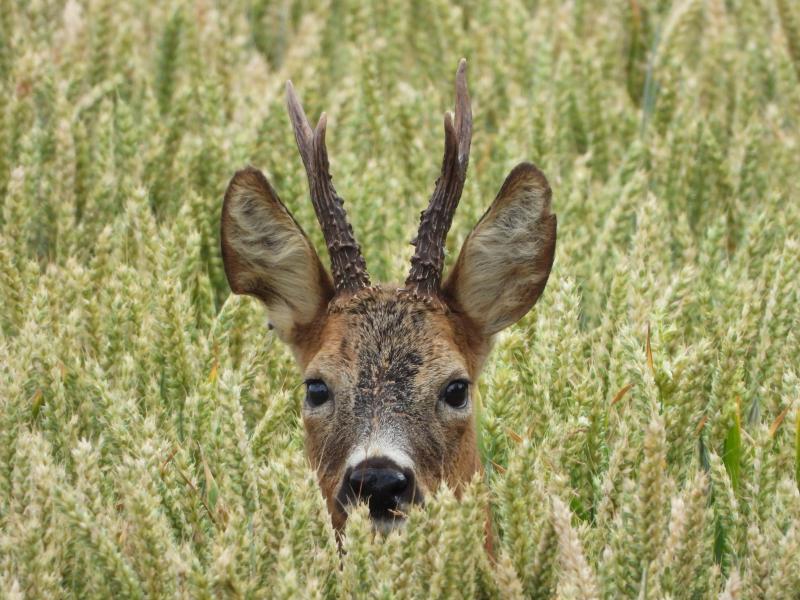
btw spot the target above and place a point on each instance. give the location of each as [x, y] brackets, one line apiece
[386, 525]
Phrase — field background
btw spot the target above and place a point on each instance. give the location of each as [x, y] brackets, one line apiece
[640, 426]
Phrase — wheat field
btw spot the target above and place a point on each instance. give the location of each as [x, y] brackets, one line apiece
[640, 427]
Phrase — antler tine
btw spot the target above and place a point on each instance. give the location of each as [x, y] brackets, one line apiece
[300, 124]
[347, 264]
[428, 260]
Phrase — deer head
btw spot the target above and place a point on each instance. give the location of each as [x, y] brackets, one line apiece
[389, 369]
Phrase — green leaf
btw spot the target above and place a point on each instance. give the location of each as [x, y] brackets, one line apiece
[797, 452]
[732, 449]
[212, 490]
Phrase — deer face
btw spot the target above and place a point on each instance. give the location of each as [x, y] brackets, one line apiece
[388, 410]
[389, 370]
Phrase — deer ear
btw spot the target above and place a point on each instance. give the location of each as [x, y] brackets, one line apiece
[267, 255]
[505, 261]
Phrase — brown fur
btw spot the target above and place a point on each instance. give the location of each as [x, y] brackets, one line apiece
[504, 264]
[385, 354]
[266, 254]
[385, 358]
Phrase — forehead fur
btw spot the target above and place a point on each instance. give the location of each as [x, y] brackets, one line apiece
[389, 317]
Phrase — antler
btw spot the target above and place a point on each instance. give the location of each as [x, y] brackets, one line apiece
[428, 260]
[347, 264]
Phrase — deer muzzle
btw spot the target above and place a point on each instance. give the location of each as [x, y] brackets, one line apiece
[386, 487]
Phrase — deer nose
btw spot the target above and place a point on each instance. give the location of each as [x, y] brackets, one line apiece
[384, 487]
[379, 483]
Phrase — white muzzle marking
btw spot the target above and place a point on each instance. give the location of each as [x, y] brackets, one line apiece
[379, 448]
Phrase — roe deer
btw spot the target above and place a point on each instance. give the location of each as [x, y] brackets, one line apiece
[388, 369]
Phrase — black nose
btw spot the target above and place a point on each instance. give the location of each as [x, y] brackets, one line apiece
[382, 485]
[377, 483]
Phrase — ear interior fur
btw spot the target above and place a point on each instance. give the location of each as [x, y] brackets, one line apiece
[267, 255]
[505, 261]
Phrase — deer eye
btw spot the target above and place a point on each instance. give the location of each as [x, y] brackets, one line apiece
[455, 394]
[317, 392]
